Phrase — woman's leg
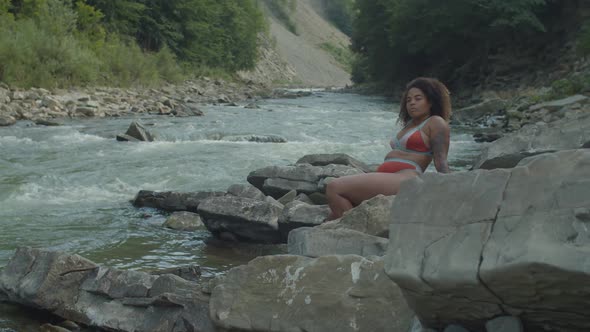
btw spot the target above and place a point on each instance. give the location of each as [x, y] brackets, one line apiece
[346, 192]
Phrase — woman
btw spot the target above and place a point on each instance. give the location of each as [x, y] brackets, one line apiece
[425, 110]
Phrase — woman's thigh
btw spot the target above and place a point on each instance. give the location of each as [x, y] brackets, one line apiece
[357, 188]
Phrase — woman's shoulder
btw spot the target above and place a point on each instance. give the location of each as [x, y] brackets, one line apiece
[437, 120]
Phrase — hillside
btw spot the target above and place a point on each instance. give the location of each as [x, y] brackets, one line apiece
[288, 59]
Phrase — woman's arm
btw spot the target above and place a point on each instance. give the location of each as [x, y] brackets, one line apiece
[439, 142]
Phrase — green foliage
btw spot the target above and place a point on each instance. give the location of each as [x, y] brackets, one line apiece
[342, 54]
[341, 13]
[401, 39]
[583, 41]
[282, 10]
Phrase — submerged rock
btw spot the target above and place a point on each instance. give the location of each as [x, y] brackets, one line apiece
[137, 132]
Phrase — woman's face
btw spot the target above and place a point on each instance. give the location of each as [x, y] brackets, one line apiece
[417, 104]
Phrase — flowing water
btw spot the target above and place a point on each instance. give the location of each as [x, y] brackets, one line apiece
[69, 187]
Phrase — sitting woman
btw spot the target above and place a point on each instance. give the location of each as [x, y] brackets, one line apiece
[425, 110]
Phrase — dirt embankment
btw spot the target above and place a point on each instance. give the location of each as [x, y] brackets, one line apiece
[289, 59]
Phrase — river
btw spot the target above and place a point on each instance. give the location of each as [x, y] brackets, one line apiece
[69, 187]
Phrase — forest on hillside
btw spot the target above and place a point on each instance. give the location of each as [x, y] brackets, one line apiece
[463, 41]
[53, 43]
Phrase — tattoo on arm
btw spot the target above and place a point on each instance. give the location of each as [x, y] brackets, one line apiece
[440, 147]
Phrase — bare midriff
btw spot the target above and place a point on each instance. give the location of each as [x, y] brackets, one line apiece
[422, 160]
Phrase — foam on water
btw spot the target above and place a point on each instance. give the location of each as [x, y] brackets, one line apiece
[76, 137]
[13, 140]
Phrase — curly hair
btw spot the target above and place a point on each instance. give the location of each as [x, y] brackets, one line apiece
[435, 92]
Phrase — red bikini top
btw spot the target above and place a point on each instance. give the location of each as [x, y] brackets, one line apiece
[412, 141]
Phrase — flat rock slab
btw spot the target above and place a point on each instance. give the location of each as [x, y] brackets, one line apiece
[316, 242]
[535, 139]
[172, 200]
[335, 159]
[298, 214]
[245, 218]
[79, 290]
[295, 293]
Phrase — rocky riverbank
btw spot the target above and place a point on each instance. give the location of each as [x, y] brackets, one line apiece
[45, 107]
[498, 248]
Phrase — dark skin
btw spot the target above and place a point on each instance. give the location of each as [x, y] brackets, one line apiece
[346, 192]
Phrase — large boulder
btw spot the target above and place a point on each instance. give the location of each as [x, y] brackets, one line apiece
[316, 242]
[279, 180]
[184, 221]
[371, 217]
[6, 120]
[246, 190]
[79, 290]
[535, 139]
[172, 200]
[295, 293]
[335, 159]
[243, 218]
[494, 242]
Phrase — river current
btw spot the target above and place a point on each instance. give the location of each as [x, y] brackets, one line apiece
[69, 187]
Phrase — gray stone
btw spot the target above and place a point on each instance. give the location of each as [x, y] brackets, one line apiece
[455, 328]
[246, 190]
[138, 131]
[295, 293]
[248, 219]
[184, 221]
[77, 289]
[495, 242]
[504, 324]
[536, 139]
[278, 188]
[372, 217]
[298, 214]
[6, 120]
[305, 199]
[189, 272]
[288, 197]
[316, 242]
[126, 138]
[555, 105]
[173, 201]
[476, 112]
[333, 158]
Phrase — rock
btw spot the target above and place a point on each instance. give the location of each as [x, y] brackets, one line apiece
[173, 201]
[86, 111]
[305, 199]
[477, 112]
[298, 214]
[248, 219]
[190, 272]
[455, 328]
[246, 190]
[316, 242]
[494, 242]
[79, 290]
[255, 138]
[184, 221]
[535, 139]
[6, 120]
[371, 217]
[138, 131]
[318, 198]
[486, 137]
[126, 138]
[252, 106]
[295, 293]
[288, 197]
[335, 159]
[46, 122]
[301, 177]
[52, 328]
[504, 324]
[556, 105]
[417, 327]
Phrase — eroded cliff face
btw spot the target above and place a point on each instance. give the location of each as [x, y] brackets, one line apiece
[288, 59]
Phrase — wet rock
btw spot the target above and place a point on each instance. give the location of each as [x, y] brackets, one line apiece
[486, 137]
[184, 221]
[479, 111]
[247, 219]
[172, 200]
[190, 272]
[79, 290]
[288, 197]
[137, 131]
[46, 122]
[504, 324]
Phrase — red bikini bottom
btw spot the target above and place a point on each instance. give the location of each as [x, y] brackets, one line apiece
[394, 165]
